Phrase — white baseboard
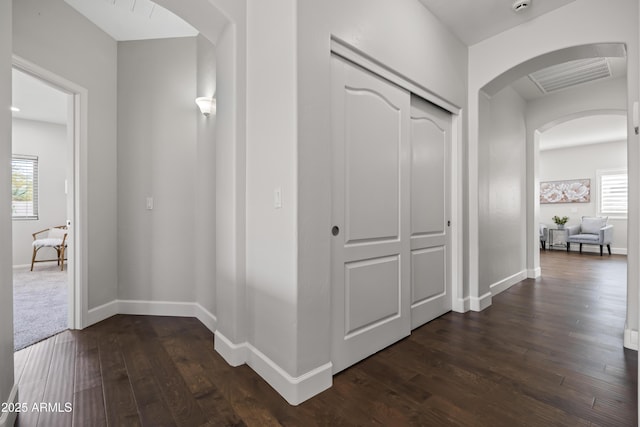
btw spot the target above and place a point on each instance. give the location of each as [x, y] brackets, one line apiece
[206, 317]
[8, 419]
[152, 308]
[156, 308]
[534, 273]
[461, 305]
[575, 247]
[480, 303]
[294, 390]
[630, 338]
[103, 312]
[21, 265]
[234, 354]
[505, 284]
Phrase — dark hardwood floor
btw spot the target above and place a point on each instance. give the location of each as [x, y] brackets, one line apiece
[547, 352]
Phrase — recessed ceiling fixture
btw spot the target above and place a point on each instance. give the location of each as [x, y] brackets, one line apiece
[520, 5]
[571, 73]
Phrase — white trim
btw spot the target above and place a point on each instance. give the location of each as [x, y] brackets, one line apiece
[35, 265]
[355, 55]
[8, 419]
[207, 318]
[534, 273]
[480, 303]
[630, 338]
[294, 390]
[29, 265]
[456, 245]
[156, 308]
[461, 305]
[103, 312]
[78, 256]
[508, 282]
[233, 354]
[595, 248]
[152, 308]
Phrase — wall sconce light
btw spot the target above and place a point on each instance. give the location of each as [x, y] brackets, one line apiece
[207, 105]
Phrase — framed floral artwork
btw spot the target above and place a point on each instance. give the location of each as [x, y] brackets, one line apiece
[569, 191]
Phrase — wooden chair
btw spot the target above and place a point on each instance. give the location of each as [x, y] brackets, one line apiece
[56, 238]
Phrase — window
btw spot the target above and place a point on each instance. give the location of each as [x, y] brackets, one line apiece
[612, 192]
[24, 187]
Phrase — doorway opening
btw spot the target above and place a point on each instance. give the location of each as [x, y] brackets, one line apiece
[555, 94]
[44, 137]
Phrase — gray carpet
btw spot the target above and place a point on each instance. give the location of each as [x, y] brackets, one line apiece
[39, 303]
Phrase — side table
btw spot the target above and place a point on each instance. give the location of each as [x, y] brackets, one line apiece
[558, 237]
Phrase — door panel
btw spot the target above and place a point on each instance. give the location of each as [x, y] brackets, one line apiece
[372, 293]
[371, 214]
[430, 261]
[427, 274]
[428, 145]
[372, 175]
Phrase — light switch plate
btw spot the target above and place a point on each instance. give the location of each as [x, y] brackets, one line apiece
[277, 198]
[149, 203]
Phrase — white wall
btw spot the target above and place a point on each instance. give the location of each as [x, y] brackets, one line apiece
[205, 187]
[285, 320]
[579, 163]
[271, 163]
[578, 23]
[156, 158]
[403, 36]
[47, 141]
[55, 37]
[502, 188]
[6, 279]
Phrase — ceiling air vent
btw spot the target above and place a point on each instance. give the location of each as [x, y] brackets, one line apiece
[570, 73]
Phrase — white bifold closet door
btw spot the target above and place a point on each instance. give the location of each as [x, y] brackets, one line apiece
[389, 247]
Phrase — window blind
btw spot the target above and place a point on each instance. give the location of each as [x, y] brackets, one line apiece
[613, 193]
[24, 187]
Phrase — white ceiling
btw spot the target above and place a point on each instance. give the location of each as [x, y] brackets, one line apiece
[475, 20]
[585, 130]
[37, 100]
[133, 19]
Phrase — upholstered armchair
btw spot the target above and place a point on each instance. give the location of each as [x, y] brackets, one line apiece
[544, 236]
[591, 231]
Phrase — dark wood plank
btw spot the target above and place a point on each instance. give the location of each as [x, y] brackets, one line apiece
[88, 407]
[34, 380]
[547, 352]
[58, 395]
[120, 404]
